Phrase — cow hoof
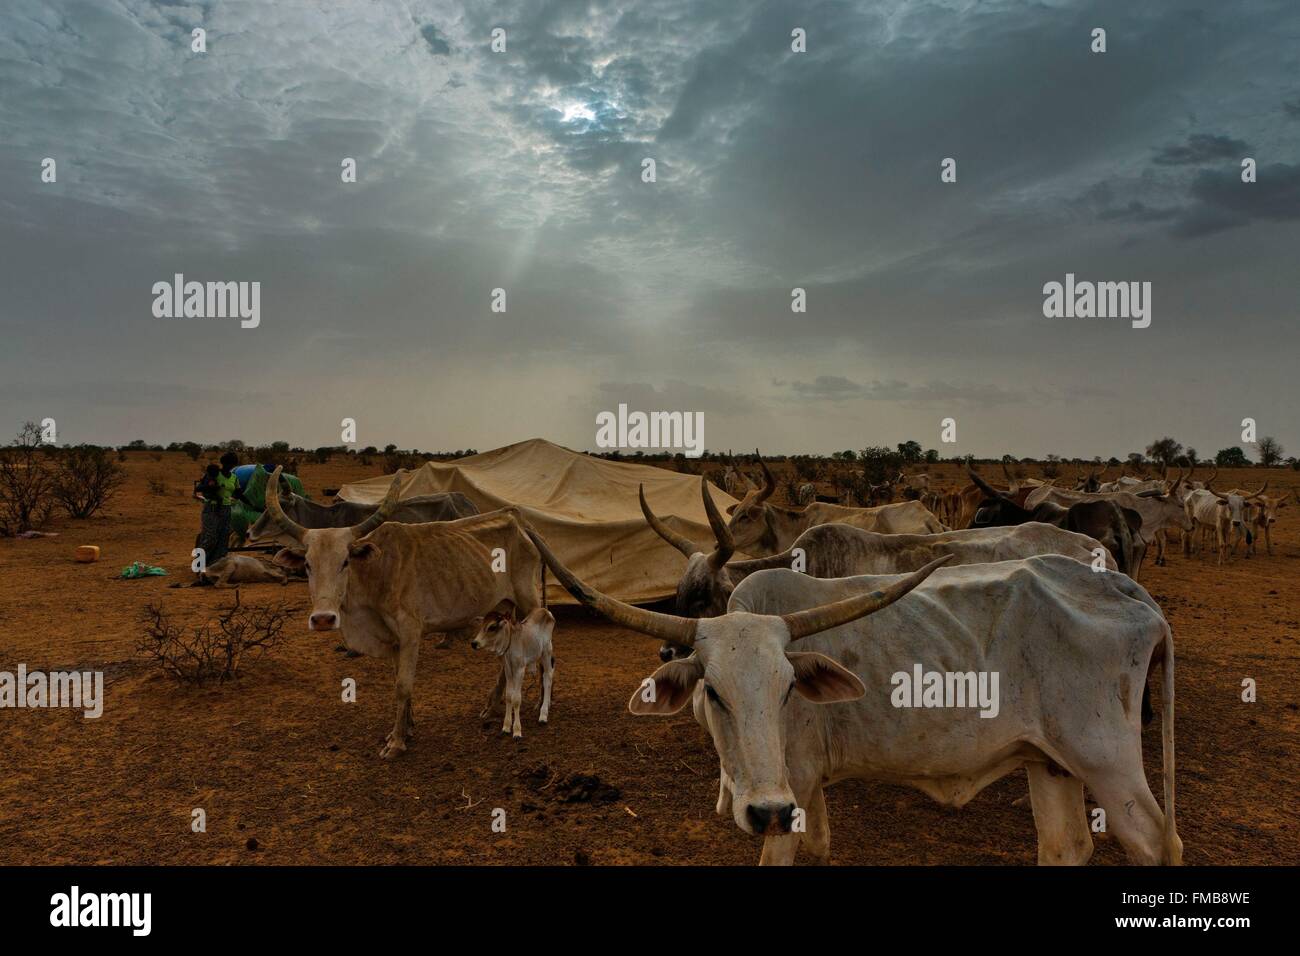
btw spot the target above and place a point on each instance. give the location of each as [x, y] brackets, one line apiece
[541, 721]
[393, 748]
[517, 736]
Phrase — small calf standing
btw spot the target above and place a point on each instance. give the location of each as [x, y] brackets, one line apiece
[523, 646]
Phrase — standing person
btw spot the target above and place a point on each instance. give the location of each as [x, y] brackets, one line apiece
[217, 489]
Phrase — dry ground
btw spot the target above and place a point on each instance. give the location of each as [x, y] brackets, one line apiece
[287, 773]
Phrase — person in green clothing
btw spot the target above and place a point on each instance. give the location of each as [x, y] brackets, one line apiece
[218, 489]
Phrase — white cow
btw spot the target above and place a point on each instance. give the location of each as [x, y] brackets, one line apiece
[1071, 649]
[1227, 516]
[523, 647]
[1262, 518]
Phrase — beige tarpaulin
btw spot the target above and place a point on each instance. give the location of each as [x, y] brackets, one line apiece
[586, 508]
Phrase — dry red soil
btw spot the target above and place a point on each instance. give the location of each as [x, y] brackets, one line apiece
[288, 773]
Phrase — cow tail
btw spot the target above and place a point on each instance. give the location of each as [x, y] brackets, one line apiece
[543, 584]
[1173, 855]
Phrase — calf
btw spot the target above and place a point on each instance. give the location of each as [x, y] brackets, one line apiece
[235, 569]
[523, 647]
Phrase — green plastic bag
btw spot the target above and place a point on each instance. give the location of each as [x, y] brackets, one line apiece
[137, 570]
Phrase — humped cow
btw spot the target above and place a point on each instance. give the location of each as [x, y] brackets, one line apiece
[805, 682]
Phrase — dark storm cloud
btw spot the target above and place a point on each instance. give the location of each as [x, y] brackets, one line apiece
[1222, 201]
[437, 45]
[522, 171]
[1201, 148]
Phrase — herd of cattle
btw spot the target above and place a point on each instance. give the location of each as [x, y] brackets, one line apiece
[1033, 584]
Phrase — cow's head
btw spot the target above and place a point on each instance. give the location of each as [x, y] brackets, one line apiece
[1267, 508]
[327, 554]
[705, 586]
[493, 631]
[1092, 481]
[267, 529]
[1235, 504]
[1168, 508]
[998, 509]
[747, 674]
[750, 520]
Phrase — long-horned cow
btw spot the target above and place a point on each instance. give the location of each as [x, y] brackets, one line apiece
[385, 585]
[1117, 529]
[1159, 511]
[805, 682]
[1262, 519]
[1228, 517]
[760, 528]
[841, 551]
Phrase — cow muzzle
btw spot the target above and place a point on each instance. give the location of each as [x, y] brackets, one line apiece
[770, 819]
[323, 621]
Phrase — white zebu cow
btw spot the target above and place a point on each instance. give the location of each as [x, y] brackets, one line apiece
[1072, 648]
[1263, 517]
[1227, 516]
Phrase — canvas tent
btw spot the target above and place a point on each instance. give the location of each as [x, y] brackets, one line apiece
[586, 508]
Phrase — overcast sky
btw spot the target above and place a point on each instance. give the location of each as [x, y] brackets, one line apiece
[522, 170]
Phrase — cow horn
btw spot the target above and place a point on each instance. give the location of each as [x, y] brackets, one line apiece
[272, 495]
[987, 488]
[678, 541]
[1177, 483]
[823, 618]
[386, 508]
[769, 483]
[1214, 474]
[731, 463]
[726, 544]
[1005, 471]
[666, 627]
[1260, 492]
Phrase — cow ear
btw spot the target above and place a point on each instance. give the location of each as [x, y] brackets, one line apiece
[823, 681]
[731, 509]
[364, 550]
[292, 558]
[668, 689]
